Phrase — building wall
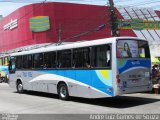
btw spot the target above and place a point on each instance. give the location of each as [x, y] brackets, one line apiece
[76, 22]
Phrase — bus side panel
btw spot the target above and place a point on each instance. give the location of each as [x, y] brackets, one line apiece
[102, 81]
[38, 81]
[85, 83]
[45, 81]
[51, 78]
[94, 83]
[84, 76]
[26, 77]
[12, 82]
[72, 86]
[81, 83]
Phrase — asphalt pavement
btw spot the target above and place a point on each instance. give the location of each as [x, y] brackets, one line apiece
[43, 104]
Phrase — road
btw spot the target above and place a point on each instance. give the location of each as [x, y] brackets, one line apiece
[42, 103]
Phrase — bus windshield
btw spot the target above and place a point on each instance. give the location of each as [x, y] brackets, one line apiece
[132, 49]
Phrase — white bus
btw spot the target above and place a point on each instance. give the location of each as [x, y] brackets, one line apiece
[4, 68]
[90, 69]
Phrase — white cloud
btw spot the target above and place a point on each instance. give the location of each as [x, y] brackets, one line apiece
[7, 8]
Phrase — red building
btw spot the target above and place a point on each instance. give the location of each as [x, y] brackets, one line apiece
[72, 22]
[48, 22]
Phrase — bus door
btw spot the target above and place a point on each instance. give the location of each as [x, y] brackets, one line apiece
[12, 66]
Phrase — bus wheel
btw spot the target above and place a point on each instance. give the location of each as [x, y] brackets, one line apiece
[63, 91]
[19, 87]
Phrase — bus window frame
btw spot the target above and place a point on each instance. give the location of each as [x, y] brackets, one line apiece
[91, 58]
[111, 53]
[57, 59]
[71, 67]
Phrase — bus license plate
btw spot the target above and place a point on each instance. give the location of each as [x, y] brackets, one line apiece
[135, 81]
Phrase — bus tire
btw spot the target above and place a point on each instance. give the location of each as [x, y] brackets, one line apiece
[63, 91]
[20, 87]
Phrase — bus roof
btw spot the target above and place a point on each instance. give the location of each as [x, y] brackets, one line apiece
[77, 44]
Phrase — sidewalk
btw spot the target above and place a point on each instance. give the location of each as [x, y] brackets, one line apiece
[144, 95]
[4, 84]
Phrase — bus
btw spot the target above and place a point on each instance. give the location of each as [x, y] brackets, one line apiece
[90, 69]
[4, 68]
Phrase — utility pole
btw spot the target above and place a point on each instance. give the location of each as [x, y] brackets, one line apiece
[1, 17]
[113, 19]
[60, 34]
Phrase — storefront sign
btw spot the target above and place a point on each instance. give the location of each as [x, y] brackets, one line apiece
[137, 24]
[11, 25]
[39, 23]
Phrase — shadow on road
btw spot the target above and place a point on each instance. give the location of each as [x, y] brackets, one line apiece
[40, 94]
[113, 102]
[117, 102]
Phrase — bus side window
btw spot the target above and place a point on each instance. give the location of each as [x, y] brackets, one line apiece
[38, 60]
[81, 58]
[86, 58]
[12, 66]
[27, 61]
[143, 49]
[77, 58]
[108, 52]
[101, 56]
[47, 60]
[58, 60]
[5, 61]
[18, 62]
[64, 59]
[54, 62]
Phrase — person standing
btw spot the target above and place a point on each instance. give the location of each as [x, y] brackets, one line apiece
[155, 77]
[154, 72]
[156, 86]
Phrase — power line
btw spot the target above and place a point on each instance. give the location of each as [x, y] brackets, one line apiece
[81, 22]
[93, 29]
[85, 33]
[78, 35]
[74, 36]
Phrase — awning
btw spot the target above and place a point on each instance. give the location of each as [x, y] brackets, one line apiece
[155, 60]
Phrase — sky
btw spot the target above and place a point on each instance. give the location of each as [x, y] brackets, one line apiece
[8, 6]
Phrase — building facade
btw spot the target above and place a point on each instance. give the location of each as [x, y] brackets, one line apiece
[52, 22]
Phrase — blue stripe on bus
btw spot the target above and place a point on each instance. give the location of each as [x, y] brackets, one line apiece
[92, 78]
[124, 65]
